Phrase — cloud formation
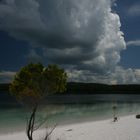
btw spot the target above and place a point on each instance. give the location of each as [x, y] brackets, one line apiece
[133, 43]
[134, 10]
[6, 76]
[119, 76]
[82, 36]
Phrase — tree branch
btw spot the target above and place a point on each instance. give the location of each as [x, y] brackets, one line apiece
[48, 134]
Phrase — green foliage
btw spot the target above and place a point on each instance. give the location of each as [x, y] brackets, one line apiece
[34, 81]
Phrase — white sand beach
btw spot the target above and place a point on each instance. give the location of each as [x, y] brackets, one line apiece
[127, 128]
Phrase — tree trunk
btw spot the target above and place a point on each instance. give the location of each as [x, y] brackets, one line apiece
[31, 123]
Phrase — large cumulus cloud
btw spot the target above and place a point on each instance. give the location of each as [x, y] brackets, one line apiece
[81, 35]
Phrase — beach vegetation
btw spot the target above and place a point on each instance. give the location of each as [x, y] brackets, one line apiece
[32, 84]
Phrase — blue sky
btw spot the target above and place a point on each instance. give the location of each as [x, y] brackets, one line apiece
[130, 20]
[70, 40]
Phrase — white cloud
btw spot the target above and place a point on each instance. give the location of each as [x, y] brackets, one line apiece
[82, 36]
[133, 43]
[6, 76]
[134, 10]
[85, 34]
[119, 76]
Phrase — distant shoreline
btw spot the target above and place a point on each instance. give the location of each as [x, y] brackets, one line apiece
[80, 93]
[91, 88]
[6, 100]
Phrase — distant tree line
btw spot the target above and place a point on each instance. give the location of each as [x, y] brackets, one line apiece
[93, 88]
[4, 87]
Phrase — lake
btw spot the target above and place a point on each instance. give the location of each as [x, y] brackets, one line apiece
[68, 109]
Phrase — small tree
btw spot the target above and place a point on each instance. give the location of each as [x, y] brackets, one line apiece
[33, 83]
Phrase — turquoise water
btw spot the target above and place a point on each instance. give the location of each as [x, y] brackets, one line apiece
[13, 116]
[14, 119]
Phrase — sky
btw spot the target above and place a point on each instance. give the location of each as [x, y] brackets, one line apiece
[93, 40]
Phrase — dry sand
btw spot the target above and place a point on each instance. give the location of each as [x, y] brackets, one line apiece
[127, 128]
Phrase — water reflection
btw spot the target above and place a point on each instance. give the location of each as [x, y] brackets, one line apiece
[15, 118]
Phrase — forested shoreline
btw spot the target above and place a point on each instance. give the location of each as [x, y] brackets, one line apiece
[92, 88]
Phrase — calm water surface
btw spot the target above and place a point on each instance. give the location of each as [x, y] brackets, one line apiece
[14, 118]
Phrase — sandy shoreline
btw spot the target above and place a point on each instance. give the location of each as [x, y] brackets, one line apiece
[127, 128]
